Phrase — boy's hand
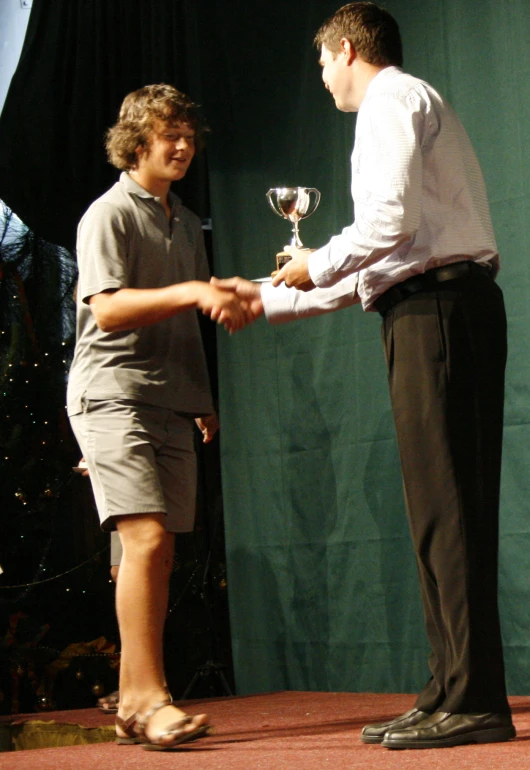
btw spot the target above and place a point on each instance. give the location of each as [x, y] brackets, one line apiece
[208, 426]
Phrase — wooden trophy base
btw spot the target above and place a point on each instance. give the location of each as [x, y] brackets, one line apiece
[281, 259]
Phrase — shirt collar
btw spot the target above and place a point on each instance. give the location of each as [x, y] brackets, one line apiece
[135, 189]
[382, 78]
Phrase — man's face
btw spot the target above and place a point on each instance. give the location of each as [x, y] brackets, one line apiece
[170, 151]
[338, 78]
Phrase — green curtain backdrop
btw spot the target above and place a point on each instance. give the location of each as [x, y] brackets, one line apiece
[322, 578]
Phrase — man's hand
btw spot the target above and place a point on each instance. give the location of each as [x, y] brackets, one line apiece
[224, 306]
[247, 291]
[295, 273]
[208, 426]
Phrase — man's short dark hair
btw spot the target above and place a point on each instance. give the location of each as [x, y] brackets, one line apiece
[371, 30]
[135, 123]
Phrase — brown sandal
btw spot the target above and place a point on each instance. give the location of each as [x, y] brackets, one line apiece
[108, 704]
[128, 726]
[176, 730]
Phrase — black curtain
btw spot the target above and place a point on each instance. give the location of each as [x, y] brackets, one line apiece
[79, 59]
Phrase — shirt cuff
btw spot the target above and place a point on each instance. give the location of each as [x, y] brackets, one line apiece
[277, 302]
[320, 269]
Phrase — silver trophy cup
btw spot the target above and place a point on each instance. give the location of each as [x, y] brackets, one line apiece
[294, 204]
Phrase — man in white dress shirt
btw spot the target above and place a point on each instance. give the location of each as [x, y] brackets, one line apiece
[422, 253]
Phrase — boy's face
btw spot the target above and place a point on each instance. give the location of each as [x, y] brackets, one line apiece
[170, 151]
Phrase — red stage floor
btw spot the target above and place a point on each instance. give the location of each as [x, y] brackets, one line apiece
[278, 731]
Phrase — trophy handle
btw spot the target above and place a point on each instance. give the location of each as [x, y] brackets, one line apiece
[272, 204]
[316, 200]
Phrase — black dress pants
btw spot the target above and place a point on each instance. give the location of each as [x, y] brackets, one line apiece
[446, 356]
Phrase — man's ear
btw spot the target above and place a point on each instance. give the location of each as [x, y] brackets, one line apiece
[347, 49]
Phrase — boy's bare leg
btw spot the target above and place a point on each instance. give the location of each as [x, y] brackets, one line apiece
[141, 605]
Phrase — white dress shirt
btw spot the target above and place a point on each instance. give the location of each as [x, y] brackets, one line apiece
[419, 198]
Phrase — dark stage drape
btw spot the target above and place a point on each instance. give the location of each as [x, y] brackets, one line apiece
[79, 59]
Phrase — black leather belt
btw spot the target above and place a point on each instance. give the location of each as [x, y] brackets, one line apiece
[428, 281]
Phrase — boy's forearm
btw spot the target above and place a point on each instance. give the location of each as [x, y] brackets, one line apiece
[130, 308]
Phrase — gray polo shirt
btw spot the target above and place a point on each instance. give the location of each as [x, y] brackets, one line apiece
[125, 240]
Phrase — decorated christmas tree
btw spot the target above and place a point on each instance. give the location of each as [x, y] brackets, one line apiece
[36, 338]
[40, 580]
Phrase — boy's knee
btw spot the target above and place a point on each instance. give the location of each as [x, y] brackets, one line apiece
[146, 537]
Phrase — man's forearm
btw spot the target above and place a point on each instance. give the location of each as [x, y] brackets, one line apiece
[282, 304]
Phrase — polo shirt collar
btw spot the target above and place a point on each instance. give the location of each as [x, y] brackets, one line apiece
[133, 187]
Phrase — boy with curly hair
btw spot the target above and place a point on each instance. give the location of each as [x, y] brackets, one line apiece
[139, 380]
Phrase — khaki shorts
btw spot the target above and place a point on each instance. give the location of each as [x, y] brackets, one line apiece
[141, 459]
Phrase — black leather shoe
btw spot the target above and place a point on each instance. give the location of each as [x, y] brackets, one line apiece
[441, 729]
[376, 733]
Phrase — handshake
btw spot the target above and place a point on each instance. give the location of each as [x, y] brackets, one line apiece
[232, 302]
[236, 302]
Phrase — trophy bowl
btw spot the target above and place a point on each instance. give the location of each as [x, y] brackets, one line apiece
[294, 204]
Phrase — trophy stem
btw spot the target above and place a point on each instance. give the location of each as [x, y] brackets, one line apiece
[295, 240]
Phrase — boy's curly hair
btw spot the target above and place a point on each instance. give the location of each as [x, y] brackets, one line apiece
[136, 119]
